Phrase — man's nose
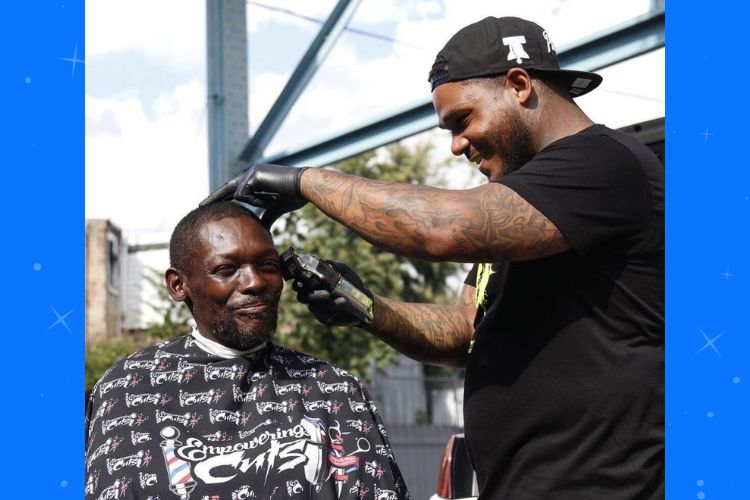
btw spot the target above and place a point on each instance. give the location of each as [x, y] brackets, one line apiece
[459, 145]
[251, 281]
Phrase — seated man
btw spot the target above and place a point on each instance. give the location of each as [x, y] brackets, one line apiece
[224, 413]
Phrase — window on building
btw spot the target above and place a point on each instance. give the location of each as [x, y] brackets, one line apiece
[113, 262]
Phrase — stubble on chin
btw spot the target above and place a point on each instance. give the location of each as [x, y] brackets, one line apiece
[230, 334]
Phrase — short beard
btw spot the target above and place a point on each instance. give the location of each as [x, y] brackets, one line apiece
[515, 139]
[226, 330]
[228, 333]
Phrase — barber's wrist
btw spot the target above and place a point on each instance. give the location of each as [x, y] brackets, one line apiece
[377, 307]
[303, 181]
[300, 174]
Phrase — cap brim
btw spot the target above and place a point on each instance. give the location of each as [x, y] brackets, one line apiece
[578, 83]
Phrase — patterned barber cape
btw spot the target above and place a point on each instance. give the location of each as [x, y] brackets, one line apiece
[175, 422]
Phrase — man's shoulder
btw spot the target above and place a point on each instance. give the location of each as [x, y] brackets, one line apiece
[595, 146]
[147, 358]
[610, 141]
[307, 366]
[592, 136]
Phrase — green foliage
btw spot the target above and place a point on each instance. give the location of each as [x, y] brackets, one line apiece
[310, 231]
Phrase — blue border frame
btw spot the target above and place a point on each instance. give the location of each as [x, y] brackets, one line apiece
[708, 273]
[43, 234]
[708, 269]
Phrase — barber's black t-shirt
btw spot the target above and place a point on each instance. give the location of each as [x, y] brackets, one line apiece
[565, 378]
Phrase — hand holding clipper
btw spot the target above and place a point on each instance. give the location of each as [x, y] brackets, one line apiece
[332, 290]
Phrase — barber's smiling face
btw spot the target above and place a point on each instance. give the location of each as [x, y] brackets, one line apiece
[485, 125]
[235, 283]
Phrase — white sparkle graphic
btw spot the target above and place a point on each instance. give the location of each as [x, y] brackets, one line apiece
[727, 275]
[60, 319]
[710, 342]
[74, 60]
[706, 133]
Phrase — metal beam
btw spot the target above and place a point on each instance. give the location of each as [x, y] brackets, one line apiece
[308, 65]
[226, 60]
[637, 37]
[642, 34]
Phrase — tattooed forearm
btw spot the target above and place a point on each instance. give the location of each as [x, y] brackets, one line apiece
[484, 224]
[437, 334]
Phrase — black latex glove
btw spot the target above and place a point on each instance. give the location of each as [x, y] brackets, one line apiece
[330, 308]
[274, 188]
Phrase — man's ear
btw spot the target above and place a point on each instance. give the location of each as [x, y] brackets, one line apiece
[176, 285]
[518, 81]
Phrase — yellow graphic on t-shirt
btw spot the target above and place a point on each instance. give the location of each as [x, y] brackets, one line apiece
[484, 271]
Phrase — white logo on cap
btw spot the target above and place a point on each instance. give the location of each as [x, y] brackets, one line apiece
[550, 45]
[515, 44]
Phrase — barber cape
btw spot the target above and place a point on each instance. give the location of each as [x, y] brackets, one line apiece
[173, 421]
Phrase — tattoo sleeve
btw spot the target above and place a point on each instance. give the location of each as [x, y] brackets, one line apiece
[485, 224]
[437, 334]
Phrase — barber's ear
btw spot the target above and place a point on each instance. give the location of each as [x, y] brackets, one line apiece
[518, 81]
[176, 285]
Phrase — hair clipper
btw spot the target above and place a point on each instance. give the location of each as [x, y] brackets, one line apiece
[314, 272]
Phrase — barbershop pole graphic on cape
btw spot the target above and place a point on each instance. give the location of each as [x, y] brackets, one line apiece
[181, 481]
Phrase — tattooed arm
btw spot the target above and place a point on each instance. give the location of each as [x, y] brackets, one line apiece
[436, 334]
[489, 223]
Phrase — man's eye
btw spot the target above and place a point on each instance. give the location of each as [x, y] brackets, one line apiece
[224, 270]
[270, 265]
[458, 128]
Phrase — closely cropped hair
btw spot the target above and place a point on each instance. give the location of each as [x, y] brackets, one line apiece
[494, 82]
[489, 82]
[187, 232]
[554, 85]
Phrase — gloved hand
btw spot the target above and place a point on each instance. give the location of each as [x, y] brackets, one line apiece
[274, 188]
[328, 307]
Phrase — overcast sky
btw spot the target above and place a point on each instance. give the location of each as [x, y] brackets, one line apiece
[146, 142]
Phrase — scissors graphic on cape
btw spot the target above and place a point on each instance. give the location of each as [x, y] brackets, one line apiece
[341, 462]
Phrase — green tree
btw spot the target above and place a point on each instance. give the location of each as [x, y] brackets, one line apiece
[309, 231]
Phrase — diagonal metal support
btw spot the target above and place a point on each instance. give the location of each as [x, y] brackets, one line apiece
[642, 34]
[637, 37]
[304, 72]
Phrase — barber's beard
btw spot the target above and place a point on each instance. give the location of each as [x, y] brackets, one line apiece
[514, 141]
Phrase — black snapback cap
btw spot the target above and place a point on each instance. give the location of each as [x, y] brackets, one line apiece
[494, 45]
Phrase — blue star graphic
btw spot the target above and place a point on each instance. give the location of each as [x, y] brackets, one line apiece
[710, 342]
[74, 60]
[60, 319]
